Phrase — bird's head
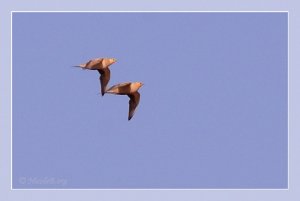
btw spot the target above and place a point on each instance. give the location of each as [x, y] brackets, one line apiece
[108, 61]
[112, 60]
[140, 84]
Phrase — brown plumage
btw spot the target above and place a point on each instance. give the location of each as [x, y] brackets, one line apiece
[102, 65]
[131, 90]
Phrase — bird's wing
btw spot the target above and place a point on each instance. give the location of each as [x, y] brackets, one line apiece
[133, 103]
[104, 79]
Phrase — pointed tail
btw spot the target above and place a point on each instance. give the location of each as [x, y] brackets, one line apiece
[109, 92]
[80, 66]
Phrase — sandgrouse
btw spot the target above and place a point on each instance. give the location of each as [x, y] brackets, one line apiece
[130, 89]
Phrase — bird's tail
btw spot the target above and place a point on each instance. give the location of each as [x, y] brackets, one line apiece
[80, 66]
[110, 92]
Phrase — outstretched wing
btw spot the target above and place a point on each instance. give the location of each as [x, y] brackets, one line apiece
[104, 79]
[133, 103]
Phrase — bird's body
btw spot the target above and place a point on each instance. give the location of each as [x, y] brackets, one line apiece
[97, 64]
[131, 90]
[102, 65]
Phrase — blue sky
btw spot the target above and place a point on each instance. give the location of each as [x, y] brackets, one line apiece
[213, 110]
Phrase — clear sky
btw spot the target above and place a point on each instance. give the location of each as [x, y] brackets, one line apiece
[212, 114]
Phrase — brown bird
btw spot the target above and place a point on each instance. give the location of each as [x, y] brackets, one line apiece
[131, 90]
[102, 65]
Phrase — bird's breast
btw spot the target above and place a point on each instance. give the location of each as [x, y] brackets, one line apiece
[133, 88]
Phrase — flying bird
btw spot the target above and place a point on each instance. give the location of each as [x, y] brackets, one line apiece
[131, 90]
[102, 65]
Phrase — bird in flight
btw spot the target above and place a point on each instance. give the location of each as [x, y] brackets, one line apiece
[131, 90]
[102, 65]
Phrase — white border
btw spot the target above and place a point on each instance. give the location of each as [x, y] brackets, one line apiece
[158, 11]
[11, 102]
[288, 98]
[154, 189]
